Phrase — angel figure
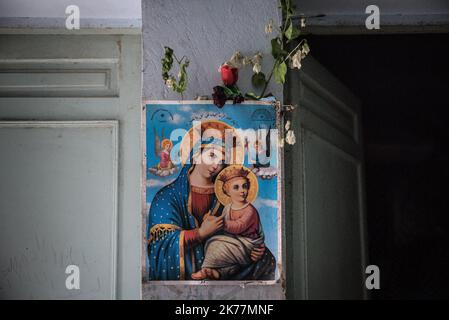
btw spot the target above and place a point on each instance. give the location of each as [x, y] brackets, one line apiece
[162, 149]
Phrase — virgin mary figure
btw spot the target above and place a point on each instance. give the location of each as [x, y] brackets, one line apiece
[185, 213]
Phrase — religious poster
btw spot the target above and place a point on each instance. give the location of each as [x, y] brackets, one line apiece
[213, 198]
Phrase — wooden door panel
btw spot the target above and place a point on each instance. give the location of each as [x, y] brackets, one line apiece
[325, 189]
[58, 186]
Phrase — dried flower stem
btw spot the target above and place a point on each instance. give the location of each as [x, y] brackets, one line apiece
[274, 66]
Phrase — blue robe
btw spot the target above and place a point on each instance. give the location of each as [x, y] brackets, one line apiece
[168, 218]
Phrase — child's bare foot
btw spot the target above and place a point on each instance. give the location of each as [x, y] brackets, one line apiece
[206, 273]
[200, 275]
[212, 274]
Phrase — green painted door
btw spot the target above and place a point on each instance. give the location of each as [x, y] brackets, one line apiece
[70, 162]
[325, 221]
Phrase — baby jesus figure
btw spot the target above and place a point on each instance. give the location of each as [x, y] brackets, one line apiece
[227, 253]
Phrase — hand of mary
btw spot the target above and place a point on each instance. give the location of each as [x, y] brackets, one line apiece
[210, 225]
[257, 253]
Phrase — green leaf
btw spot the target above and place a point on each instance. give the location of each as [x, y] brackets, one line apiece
[182, 82]
[235, 91]
[258, 79]
[296, 33]
[287, 8]
[231, 91]
[228, 91]
[167, 63]
[292, 32]
[289, 31]
[252, 96]
[276, 49]
[280, 70]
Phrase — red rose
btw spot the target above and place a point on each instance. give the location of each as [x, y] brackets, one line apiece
[229, 75]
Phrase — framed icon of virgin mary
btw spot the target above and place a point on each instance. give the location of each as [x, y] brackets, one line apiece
[212, 191]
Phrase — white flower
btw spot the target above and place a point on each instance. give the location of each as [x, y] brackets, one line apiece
[305, 49]
[257, 59]
[287, 125]
[281, 143]
[303, 22]
[290, 137]
[170, 82]
[289, 107]
[269, 27]
[295, 60]
[236, 60]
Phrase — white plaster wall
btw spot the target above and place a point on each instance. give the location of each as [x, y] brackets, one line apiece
[208, 33]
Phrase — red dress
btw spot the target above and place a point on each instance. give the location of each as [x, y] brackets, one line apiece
[165, 160]
[201, 199]
[243, 222]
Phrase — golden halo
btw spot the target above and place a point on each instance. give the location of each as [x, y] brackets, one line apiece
[253, 185]
[190, 139]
